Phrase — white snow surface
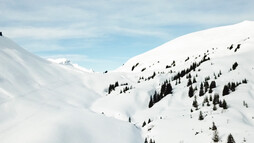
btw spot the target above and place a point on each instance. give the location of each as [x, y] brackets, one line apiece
[64, 61]
[43, 101]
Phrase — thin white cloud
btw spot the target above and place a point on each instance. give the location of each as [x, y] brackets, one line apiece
[46, 32]
[58, 19]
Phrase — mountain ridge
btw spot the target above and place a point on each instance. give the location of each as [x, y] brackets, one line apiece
[214, 37]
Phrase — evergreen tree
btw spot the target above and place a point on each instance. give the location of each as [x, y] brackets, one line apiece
[210, 90]
[150, 102]
[214, 107]
[168, 89]
[191, 91]
[225, 90]
[230, 139]
[224, 104]
[214, 127]
[194, 80]
[116, 84]
[111, 87]
[244, 81]
[205, 99]
[188, 76]
[213, 84]
[149, 121]
[206, 85]
[216, 99]
[233, 86]
[234, 65]
[201, 117]
[220, 104]
[155, 97]
[211, 98]
[201, 90]
[146, 140]
[189, 82]
[208, 104]
[195, 103]
[216, 136]
[163, 88]
[231, 47]
[144, 123]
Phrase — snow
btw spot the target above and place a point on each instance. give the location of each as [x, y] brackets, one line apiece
[67, 62]
[55, 101]
[42, 101]
[190, 45]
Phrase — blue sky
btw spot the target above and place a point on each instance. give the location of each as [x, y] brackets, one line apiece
[104, 34]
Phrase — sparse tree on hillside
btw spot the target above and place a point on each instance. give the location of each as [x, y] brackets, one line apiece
[224, 104]
[225, 90]
[211, 98]
[194, 80]
[233, 86]
[212, 85]
[214, 107]
[216, 136]
[230, 139]
[201, 90]
[191, 92]
[206, 85]
[150, 102]
[144, 123]
[149, 121]
[195, 102]
[146, 140]
[210, 90]
[216, 99]
[234, 65]
[189, 82]
[201, 117]
[214, 127]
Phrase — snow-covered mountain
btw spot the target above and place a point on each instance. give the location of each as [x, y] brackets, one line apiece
[191, 45]
[45, 102]
[64, 61]
[196, 88]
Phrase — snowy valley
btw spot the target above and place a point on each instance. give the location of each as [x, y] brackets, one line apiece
[198, 88]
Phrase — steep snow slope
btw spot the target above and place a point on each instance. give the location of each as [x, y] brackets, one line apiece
[173, 118]
[45, 102]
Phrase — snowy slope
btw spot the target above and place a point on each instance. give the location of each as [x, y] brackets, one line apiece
[45, 102]
[190, 45]
[172, 119]
[42, 101]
